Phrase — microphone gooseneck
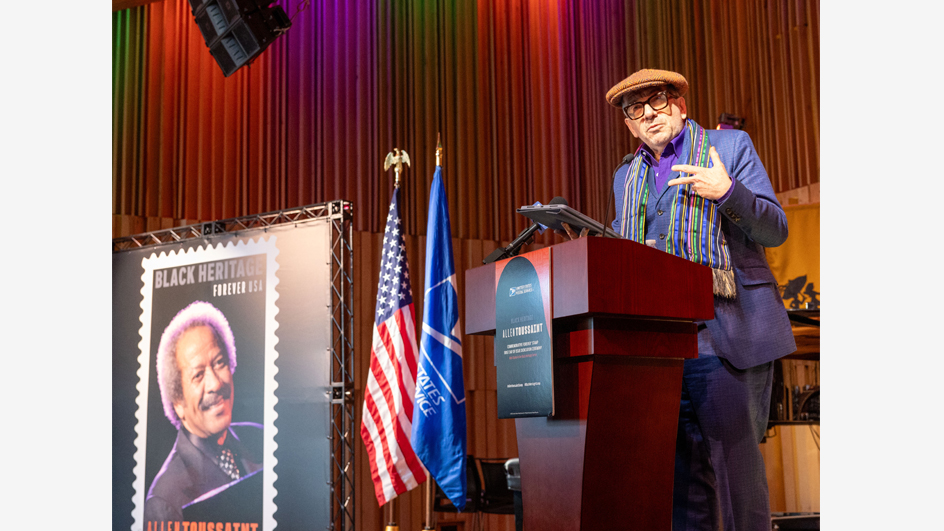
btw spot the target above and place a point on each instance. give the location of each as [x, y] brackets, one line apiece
[523, 237]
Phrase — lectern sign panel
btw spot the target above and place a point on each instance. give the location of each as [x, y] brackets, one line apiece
[523, 349]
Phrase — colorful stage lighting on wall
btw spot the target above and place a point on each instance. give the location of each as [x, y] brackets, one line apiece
[237, 31]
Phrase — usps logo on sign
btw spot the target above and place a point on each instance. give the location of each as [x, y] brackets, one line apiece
[520, 290]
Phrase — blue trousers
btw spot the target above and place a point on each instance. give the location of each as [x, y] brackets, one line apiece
[720, 481]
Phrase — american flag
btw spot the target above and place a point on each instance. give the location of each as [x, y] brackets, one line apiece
[386, 422]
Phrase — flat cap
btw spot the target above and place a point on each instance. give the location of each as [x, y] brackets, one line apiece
[644, 78]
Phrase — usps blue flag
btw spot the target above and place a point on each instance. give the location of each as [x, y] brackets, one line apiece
[439, 414]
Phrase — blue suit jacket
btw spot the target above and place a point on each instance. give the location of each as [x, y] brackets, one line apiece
[753, 328]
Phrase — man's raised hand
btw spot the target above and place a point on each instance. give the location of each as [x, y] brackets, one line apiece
[710, 183]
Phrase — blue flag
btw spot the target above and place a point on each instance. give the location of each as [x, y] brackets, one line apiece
[439, 413]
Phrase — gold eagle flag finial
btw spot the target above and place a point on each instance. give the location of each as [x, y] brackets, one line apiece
[397, 159]
[439, 150]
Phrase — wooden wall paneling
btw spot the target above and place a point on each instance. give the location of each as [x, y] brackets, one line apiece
[792, 461]
[788, 40]
[790, 469]
[812, 51]
[778, 177]
[477, 420]
[471, 167]
[472, 345]
[628, 36]
[728, 88]
[223, 141]
[597, 130]
[464, 252]
[565, 140]
[808, 87]
[546, 153]
[294, 100]
[789, 176]
[137, 103]
[411, 508]
[797, 76]
[269, 127]
[660, 52]
[757, 76]
[163, 126]
[487, 185]
[453, 63]
[807, 128]
[545, 109]
[149, 171]
[772, 451]
[801, 475]
[752, 100]
[414, 125]
[155, 224]
[481, 356]
[768, 145]
[791, 453]
[500, 135]
[505, 435]
[367, 268]
[125, 225]
[726, 63]
[807, 456]
[744, 55]
[252, 186]
[125, 61]
[588, 68]
[570, 129]
[746, 59]
[367, 186]
[521, 90]
[702, 95]
[416, 249]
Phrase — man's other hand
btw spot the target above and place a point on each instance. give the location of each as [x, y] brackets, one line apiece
[570, 234]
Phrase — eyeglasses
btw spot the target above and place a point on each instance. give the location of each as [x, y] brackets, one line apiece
[657, 101]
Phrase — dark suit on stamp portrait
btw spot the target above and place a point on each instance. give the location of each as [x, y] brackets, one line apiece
[191, 473]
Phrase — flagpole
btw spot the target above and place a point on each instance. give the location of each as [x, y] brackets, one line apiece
[429, 504]
[390, 510]
[396, 158]
[439, 420]
[430, 496]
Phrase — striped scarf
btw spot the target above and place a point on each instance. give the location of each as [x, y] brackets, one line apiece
[694, 223]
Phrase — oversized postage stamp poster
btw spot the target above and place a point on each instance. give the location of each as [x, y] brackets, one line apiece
[177, 474]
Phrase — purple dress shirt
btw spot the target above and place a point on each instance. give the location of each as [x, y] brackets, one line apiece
[663, 168]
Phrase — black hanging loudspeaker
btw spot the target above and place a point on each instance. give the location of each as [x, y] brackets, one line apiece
[237, 31]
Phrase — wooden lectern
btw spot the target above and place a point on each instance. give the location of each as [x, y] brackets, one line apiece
[623, 324]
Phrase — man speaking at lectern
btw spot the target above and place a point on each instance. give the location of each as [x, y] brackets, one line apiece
[704, 195]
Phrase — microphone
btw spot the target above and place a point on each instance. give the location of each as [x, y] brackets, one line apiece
[523, 237]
